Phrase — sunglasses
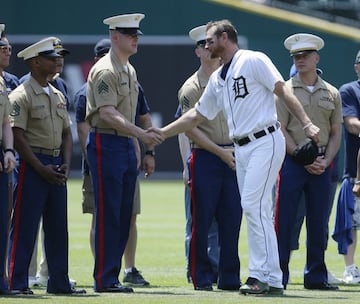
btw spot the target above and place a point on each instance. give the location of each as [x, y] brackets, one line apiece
[201, 43]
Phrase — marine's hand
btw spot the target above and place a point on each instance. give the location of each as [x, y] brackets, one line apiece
[312, 132]
[356, 190]
[152, 137]
[228, 157]
[148, 165]
[54, 175]
[318, 167]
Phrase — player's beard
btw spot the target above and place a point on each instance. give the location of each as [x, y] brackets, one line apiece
[216, 51]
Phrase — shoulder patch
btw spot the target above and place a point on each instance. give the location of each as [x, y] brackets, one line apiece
[15, 109]
[185, 104]
[103, 87]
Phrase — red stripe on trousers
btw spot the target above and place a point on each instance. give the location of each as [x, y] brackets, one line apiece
[16, 215]
[193, 221]
[100, 215]
[276, 220]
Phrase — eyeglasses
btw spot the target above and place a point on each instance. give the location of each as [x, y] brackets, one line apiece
[5, 48]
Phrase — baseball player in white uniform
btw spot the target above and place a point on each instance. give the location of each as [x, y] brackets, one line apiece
[243, 89]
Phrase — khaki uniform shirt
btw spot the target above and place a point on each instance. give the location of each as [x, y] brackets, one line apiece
[4, 105]
[322, 105]
[110, 84]
[43, 117]
[216, 129]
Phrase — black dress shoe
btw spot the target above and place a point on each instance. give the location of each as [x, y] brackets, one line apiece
[8, 292]
[116, 288]
[204, 288]
[77, 291]
[230, 287]
[322, 286]
[71, 291]
[23, 291]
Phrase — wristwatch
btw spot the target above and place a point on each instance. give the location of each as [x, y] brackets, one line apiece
[150, 152]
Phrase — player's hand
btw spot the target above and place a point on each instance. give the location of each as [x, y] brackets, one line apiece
[228, 157]
[152, 137]
[312, 132]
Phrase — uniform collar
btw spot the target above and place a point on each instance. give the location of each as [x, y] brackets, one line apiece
[203, 78]
[297, 83]
[38, 89]
[117, 63]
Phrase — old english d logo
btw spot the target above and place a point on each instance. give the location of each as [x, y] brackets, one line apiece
[240, 88]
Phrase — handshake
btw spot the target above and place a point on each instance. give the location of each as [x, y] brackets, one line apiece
[152, 136]
[155, 136]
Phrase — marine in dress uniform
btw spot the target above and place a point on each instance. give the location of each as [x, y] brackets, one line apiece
[7, 164]
[322, 102]
[42, 138]
[213, 184]
[112, 94]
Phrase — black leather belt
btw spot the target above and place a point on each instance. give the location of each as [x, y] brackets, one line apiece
[245, 140]
[50, 152]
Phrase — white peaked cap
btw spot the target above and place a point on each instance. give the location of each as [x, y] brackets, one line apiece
[198, 33]
[301, 43]
[124, 21]
[44, 47]
[2, 28]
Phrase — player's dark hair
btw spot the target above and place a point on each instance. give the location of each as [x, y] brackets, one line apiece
[224, 26]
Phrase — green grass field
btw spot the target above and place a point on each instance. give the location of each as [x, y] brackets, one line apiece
[160, 257]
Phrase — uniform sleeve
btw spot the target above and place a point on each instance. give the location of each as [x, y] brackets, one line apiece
[178, 112]
[207, 104]
[188, 96]
[105, 89]
[80, 107]
[142, 107]
[19, 109]
[350, 106]
[337, 114]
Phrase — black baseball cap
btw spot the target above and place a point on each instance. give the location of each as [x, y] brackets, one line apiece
[102, 47]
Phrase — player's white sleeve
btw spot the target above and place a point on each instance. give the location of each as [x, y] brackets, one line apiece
[265, 71]
[208, 103]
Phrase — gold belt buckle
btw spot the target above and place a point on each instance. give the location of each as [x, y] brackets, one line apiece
[56, 152]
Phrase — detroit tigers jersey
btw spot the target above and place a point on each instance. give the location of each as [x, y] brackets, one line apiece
[215, 129]
[249, 107]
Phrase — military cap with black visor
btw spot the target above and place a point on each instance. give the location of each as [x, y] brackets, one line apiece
[127, 24]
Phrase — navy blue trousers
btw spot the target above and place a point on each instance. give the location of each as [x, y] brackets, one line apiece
[214, 193]
[3, 224]
[34, 198]
[293, 180]
[112, 162]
